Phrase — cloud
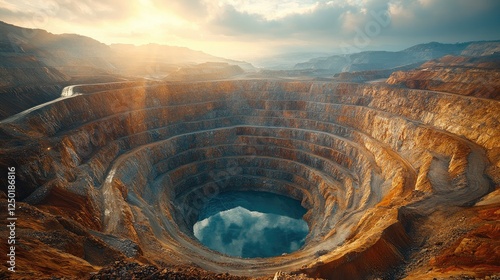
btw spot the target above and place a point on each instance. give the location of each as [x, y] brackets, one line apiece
[334, 21]
[450, 20]
[235, 23]
[258, 25]
[272, 9]
[323, 18]
[77, 11]
[8, 15]
[190, 9]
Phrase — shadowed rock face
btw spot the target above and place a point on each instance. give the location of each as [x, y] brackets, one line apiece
[135, 165]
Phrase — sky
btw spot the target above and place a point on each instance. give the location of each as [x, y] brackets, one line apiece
[242, 29]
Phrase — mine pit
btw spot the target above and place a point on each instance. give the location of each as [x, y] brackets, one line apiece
[137, 166]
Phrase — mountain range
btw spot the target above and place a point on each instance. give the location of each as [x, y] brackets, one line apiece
[77, 56]
[378, 60]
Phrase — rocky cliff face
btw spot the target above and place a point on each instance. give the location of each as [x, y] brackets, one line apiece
[472, 76]
[121, 172]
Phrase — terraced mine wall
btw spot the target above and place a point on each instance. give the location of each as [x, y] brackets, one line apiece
[138, 163]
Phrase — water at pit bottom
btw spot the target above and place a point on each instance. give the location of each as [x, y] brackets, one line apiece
[251, 224]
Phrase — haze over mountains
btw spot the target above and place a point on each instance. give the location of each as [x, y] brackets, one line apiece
[374, 60]
[79, 56]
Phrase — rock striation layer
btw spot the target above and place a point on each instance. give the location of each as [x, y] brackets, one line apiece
[472, 76]
[127, 168]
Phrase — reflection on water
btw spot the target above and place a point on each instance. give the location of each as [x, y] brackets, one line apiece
[252, 224]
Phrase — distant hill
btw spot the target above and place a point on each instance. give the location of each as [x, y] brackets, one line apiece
[286, 60]
[76, 55]
[206, 71]
[158, 61]
[68, 53]
[481, 48]
[378, 60]
[477, 76]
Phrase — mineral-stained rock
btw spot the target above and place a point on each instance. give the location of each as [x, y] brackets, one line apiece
[122, 171]
[472, 76]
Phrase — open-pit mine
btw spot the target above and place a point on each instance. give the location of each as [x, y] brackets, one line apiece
[395, 181]
[159, 162]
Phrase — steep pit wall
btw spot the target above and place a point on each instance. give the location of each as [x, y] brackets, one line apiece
[142, 160]
[463, 75]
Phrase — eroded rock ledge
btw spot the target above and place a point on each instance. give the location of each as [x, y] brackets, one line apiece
[125, 169]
